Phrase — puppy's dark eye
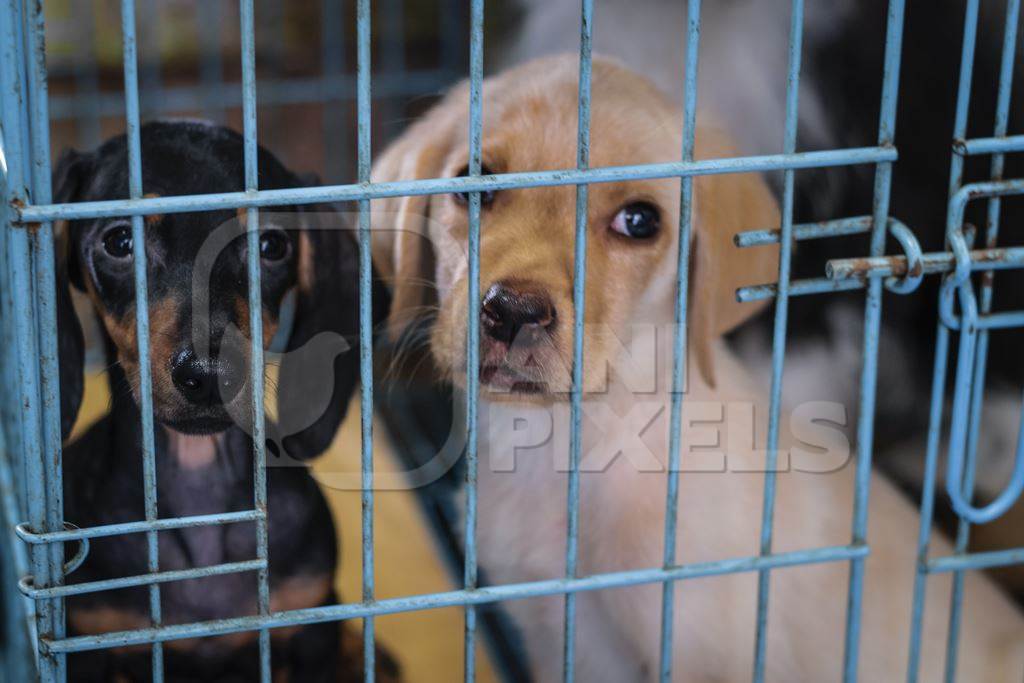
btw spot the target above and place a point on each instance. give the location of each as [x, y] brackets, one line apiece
[639, 219]
[117, 240]
[486, 197]
[274, 245]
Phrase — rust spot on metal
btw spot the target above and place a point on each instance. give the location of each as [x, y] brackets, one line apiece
[18, 204]
[859, 269]
[988, 255]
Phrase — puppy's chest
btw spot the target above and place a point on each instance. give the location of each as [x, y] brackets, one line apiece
[523, 490]
[202, 491]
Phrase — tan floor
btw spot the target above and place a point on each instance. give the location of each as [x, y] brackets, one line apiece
[428, 644]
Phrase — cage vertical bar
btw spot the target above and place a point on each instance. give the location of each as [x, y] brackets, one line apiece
[469, 579]
[21, 255]
[252, 229]
[365, 324]
[17, 647]
[42, 254]
[680, 341]
[872, 321]
[135, 190]
[579, 287]
[779, 335]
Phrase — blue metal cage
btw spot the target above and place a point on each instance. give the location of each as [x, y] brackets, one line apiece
[30, 444]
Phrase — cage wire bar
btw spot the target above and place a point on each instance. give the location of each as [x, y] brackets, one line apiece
[470, 568]
[131, 98]
[252, 226]
[29, 262]
[579, 307]
[19, 624]
[680, 338]
[972, 351]
[365, 333]
[779, 334]
[872, 321]
[37, 392]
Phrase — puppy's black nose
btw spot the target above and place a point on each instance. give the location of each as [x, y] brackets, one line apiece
[203, 381]
[511, 307]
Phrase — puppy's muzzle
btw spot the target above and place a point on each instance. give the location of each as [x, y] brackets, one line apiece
[204, 381]
[516, 312]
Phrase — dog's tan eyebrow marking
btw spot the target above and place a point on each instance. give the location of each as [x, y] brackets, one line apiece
[270, 320]
[306, 270]
[154, 218]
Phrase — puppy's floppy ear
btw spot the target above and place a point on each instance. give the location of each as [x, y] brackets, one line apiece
[401, 241]
[320, 368]
[723, 206]
[69, 180]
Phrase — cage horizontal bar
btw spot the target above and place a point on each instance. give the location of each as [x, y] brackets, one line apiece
[936, 262]
[823, 285]
[987, 560]
[1000, 321]
[28, 536]
[171, 99]
[807, 231]
[815, 285]
[993, 145]
[989, 188]
[453, 599]
[462, 184]
[139, 580]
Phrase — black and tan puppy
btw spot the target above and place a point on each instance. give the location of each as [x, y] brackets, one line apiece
[199, 359]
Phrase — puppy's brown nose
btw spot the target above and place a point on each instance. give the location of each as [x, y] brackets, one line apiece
[509, 307]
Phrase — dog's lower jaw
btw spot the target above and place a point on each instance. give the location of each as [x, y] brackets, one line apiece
[501, 378]
[507, 388]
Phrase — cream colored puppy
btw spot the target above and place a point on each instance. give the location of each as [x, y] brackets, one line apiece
[527, 316]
